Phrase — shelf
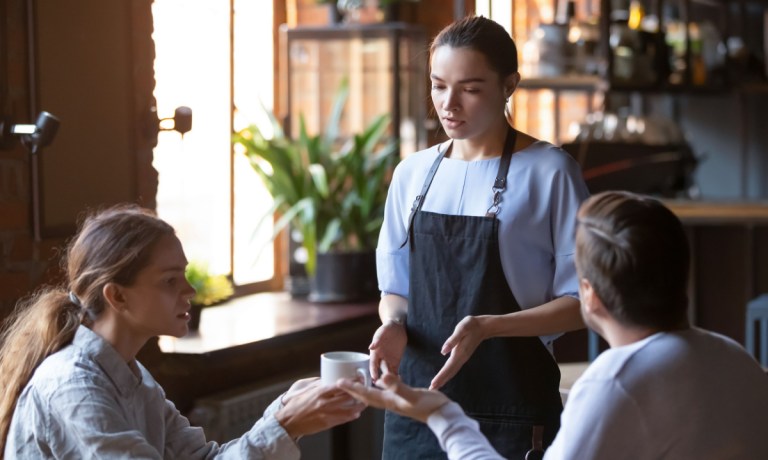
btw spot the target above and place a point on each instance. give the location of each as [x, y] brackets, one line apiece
[592, 83]
[754, 88]
[565, 83]
[719, 212]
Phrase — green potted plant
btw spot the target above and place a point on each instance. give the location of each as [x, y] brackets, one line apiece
[210, 289]
[331, 190]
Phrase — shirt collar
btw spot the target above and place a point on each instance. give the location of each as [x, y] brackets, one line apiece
[97, 348]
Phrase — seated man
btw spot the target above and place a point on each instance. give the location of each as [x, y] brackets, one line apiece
[663, 390]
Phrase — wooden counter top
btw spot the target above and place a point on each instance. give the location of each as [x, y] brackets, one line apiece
[261, 317]
[257, 338]
[718, 212]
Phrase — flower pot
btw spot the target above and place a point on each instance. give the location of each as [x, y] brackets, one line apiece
[344, 277]
[194, 317]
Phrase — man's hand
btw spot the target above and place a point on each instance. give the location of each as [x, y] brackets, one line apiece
[397, 397]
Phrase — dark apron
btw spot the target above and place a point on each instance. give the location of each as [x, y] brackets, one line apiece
[509, 385]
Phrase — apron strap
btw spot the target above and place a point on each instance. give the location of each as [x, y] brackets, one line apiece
[499, 185]
[419, 201]
[537, 442]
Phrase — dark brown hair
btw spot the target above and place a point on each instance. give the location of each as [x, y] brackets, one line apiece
[111, 246]
[484, 36]
[634, 252]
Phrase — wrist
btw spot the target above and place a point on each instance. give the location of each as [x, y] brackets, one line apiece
[397, 319]
[488, 326]
[285, 420]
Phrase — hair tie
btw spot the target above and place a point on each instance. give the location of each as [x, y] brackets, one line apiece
[73, 298]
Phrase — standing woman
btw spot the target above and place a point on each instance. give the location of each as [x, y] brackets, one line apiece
[71, 385]
[475, 258]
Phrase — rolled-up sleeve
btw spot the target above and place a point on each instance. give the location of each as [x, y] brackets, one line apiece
[392, 256]
[569, 191]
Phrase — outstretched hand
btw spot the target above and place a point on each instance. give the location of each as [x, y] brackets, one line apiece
[311, 407]
[396, 396]
[465, 339]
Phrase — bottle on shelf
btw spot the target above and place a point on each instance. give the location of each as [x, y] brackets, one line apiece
[583, 37]
[675, 36]
[632, 44]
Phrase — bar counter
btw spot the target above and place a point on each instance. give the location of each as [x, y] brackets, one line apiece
[719, 212]
[729, 260]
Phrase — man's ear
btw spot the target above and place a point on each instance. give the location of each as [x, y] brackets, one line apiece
[592, 303]
[113, 293]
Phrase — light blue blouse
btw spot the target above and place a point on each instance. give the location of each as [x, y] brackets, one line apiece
[537, 218]
[86, 402]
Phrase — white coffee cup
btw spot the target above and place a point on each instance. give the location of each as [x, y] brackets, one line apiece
[337, 365]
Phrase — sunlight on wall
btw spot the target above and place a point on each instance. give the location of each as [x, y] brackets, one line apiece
[192, 68]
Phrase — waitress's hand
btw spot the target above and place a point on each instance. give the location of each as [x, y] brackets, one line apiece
[387, 346]
[461, 344]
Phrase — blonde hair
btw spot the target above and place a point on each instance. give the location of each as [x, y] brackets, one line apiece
[112, 246]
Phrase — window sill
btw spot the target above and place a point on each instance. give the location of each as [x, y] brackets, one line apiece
[261, 318]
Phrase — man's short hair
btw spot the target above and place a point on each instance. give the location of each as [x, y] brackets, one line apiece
[634, 252]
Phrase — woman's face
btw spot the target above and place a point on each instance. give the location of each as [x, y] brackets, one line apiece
[157, 303]
[468, 95]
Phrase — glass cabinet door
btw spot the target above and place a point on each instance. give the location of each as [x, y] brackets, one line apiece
[385, 65]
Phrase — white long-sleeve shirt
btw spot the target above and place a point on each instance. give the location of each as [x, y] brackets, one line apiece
[677, 395]
[85, 402]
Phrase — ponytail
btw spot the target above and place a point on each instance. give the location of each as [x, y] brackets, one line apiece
[112, 246]
[40, 325]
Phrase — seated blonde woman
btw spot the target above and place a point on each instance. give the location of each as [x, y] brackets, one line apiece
[72, 387]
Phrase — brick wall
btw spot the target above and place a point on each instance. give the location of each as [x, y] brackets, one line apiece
[23, 261]
[26, 262]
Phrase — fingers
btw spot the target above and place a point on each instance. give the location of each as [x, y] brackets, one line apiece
[450, 343]
[303, 384]
[369, 396]
[344, 404]
[449, 370]
[319, 408]
[389, 381]
[459, 332]
[375, 363]
[382, 371]
[375, 341]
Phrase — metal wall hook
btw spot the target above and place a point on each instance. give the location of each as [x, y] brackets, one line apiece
[181, 121]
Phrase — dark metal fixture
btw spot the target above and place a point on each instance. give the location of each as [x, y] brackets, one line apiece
[33, 137]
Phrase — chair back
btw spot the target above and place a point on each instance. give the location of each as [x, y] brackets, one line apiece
[757, 319]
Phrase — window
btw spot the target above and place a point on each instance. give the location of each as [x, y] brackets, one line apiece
[217, 58]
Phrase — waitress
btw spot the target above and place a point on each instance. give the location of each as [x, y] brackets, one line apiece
[475, 257]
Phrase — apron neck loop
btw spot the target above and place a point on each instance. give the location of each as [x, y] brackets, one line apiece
[500, 184]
